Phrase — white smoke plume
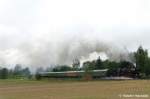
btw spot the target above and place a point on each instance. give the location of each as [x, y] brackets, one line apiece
[43, 54]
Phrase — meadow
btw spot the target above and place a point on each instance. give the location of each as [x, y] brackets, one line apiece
[26, 89]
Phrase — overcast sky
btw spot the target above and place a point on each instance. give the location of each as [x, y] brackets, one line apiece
[121, 22]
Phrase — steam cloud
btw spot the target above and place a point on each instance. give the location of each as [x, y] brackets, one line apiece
[63, 52]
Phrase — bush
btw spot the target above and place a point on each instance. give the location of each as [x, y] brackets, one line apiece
[38, 76]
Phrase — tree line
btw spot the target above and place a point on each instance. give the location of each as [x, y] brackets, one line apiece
[139, 67]
[17, 72]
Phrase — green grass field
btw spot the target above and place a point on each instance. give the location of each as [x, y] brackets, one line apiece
[21, 89]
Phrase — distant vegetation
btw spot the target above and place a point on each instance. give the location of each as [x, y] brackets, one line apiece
[15, 73]
[138, 67]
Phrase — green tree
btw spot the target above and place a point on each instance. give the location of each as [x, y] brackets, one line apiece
[4, 73]
[141, 59]
[38, 76]
[62, 68]
[113, 69]
[106, 64]
[88, 65]
[26, 72]
[17, 70]
[99, 64]
[147, 67]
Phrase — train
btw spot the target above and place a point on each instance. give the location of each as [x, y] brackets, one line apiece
[74, 74]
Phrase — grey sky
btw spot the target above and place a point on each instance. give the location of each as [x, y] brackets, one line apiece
[30, 23]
